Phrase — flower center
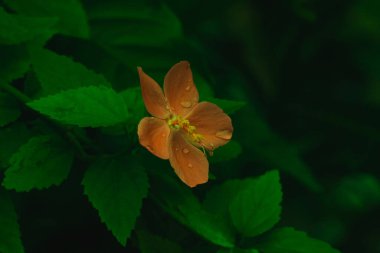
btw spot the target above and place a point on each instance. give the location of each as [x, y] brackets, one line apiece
[177, 122]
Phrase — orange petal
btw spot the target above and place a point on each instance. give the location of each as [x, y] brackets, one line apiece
[179, 88]
[153, 96]
[189, 163]
[212, 123]
[154, 135]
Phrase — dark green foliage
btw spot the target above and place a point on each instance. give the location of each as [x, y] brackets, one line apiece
[116, 188]
[299, 79]
[40, 163]
[10, 232]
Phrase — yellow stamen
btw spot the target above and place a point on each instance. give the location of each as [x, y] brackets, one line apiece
[177, 122]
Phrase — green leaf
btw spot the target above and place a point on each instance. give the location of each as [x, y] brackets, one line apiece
[15, 29]
[14, 62]
[133, 99]
[10, 241]
[57, 72]
[72, 17]
[85, 107]
[226, 152]
[12, 137]
[116, 188]
[150, 243]
[228, 106]
[256, 207]
[40, 163]
[178, 201]
[9, 109]
[121, 23]
[289, 240]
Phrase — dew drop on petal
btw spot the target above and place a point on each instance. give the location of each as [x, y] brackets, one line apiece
[186, 104]
[190, 165]
[187, 88]
[185, 151]
[176, 149]
[224, 134]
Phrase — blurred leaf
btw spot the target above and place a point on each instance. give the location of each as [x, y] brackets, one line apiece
[178, 201]
[14, 62]
[357, 192]
[9, 109]
[227, 152]
[85, 107]
[256, 207]
[57, 72]
[12, 137]
[228, 106]
[40, 163]
[116, 188]
[10, 241]
[72, 17]
[275, 152]
[237, 250]
[120, 23]
[289, 240]
[150, 243]
[15, 29]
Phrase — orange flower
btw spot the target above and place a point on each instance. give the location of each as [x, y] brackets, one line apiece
[180, 125]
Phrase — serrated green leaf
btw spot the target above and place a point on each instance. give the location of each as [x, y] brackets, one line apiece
[150, 243]
[72, 17]
[179, 202]
[14, 62]
[121, 23]
[9, 109]
[289, 240]
[15, 29]
[116, 188]
[256, 207]
[57, 72]
[10, 241]
[85, 107]
[12, 137]
[133, 99]
[227, 152]
[40, 163]
[228, 106]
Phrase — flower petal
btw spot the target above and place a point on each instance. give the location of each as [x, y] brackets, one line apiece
[154, 135]
[212, 123]
[180, 89]
[189, 163]
[153, 96]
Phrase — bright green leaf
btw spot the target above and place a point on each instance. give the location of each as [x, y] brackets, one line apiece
[228, 106]
[15, 29]
[256, 207]
[227, 152]
[12, 137]
[14, 62]
[10, 241]
[176, 199]
[9, 109]
[289, 240]
[85, 107]
[57, 72]
[150, 243]
[72, 17]
[121, 23]
[40, 163]
[116, 188]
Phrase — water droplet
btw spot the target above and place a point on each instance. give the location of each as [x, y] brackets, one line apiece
[163, 135]
[190, 165]
[224, 134]
[176, 149]
[185, 151]
[186, 104]
[187, 88]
